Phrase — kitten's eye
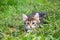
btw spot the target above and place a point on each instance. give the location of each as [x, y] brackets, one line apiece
[28, 23]
[33, 23]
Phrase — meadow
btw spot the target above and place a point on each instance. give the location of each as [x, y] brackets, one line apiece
[11, 22]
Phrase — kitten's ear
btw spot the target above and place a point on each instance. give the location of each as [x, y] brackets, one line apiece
[24, 17]
[36, 16]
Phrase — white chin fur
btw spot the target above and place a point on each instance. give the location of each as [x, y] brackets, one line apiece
[33, 26]
[28, 27]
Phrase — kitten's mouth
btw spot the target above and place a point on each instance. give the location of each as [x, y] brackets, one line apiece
[32, 27]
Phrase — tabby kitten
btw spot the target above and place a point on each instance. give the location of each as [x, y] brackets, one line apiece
[32, 21]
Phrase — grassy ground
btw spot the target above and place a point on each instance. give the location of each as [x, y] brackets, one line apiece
[11, 24]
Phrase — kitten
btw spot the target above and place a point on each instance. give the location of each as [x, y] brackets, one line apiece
[32, 21]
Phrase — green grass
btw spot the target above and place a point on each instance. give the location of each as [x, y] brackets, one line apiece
[11, 24]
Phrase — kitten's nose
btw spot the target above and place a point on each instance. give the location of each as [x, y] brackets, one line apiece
[30, 26]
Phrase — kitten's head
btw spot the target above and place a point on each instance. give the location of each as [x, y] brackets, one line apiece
[31, 22]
